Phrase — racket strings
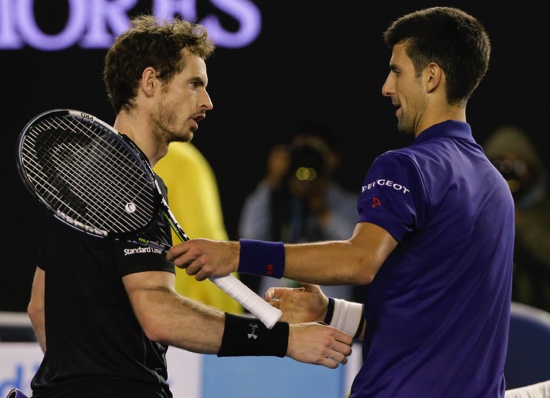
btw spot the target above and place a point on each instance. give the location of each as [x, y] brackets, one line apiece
[106, 164]
[87, 173]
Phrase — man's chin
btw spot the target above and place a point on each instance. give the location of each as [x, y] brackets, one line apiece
[403, 129]
[184, 138]
[187, 136]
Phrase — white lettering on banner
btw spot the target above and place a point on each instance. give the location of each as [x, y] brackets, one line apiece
[248, 16]
[104, 15]
[95, 24]
[388, 183]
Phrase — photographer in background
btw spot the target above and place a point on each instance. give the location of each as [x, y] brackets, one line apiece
[512, 153]
[298, 201]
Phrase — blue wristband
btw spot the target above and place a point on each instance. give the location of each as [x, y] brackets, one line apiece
[330, 311]
[262, 258]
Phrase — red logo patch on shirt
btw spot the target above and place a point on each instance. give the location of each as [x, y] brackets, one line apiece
[376, 202]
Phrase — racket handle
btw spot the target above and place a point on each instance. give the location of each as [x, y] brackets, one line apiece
[264, 311]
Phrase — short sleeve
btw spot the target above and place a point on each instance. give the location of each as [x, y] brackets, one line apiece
[393, 196]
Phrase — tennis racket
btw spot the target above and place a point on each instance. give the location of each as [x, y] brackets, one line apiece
[96, 180]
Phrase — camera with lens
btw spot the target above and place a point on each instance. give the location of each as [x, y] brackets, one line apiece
[307, 162]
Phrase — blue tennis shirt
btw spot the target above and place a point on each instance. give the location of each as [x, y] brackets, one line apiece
[438, 309]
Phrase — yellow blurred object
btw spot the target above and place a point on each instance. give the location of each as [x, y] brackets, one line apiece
[194, 199]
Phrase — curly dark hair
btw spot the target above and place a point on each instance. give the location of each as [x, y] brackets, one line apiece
[450, 37]
[150, 42]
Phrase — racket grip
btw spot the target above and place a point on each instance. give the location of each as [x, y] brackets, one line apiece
[264, 311]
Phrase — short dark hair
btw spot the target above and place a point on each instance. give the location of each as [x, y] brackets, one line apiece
[450, 37]
[150, 42]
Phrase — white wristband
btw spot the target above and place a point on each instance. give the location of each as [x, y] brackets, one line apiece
[347, 316]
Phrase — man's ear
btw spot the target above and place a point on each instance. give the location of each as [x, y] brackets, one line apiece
[434, 76]
[149, 81]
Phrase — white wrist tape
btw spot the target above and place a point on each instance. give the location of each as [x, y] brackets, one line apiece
[347, 316]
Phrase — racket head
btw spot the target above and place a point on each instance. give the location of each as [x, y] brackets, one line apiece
[87, 174]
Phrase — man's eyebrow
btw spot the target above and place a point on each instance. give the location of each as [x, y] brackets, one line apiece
[394, 67]
[198, 79]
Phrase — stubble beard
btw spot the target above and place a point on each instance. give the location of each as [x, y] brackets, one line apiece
[404, 127]
[162, 121]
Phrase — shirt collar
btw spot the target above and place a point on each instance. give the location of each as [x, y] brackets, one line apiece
[449, 128]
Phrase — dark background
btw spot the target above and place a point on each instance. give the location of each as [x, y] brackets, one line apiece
[311, 61]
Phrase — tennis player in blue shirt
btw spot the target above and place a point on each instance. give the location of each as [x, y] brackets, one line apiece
[434, 239]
